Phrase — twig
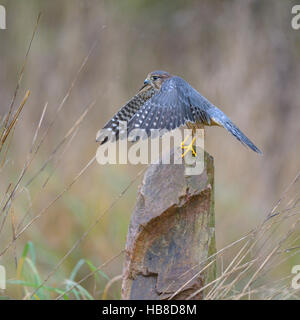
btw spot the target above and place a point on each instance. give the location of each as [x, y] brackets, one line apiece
[109, 284]
[20, 77]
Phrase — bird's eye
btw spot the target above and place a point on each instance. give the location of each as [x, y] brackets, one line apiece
[154, 78]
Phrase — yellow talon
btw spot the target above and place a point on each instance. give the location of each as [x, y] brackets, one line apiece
[182, 143]
[189, 147]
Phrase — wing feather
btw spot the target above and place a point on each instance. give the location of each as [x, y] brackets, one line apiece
[126, 113]
[169, 108]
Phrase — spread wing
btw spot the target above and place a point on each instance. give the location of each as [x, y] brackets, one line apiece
[125, 114]
[170, 108]
[175, 104]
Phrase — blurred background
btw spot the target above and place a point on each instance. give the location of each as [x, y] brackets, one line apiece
[242, 55]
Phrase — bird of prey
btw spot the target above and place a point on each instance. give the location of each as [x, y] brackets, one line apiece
[168, 102]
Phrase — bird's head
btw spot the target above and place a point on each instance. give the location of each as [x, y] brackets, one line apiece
[155, 79]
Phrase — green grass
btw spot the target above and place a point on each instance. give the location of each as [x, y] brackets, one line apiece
[29, 282]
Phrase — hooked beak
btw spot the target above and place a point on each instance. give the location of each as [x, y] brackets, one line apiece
[146, 83]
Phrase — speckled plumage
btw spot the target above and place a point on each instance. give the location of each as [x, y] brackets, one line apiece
[169, 102]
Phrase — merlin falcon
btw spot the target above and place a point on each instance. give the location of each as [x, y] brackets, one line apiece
[168, 102]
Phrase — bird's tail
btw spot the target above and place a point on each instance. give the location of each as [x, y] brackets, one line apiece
[221, 119]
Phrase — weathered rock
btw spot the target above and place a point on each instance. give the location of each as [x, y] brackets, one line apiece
[171, 233]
